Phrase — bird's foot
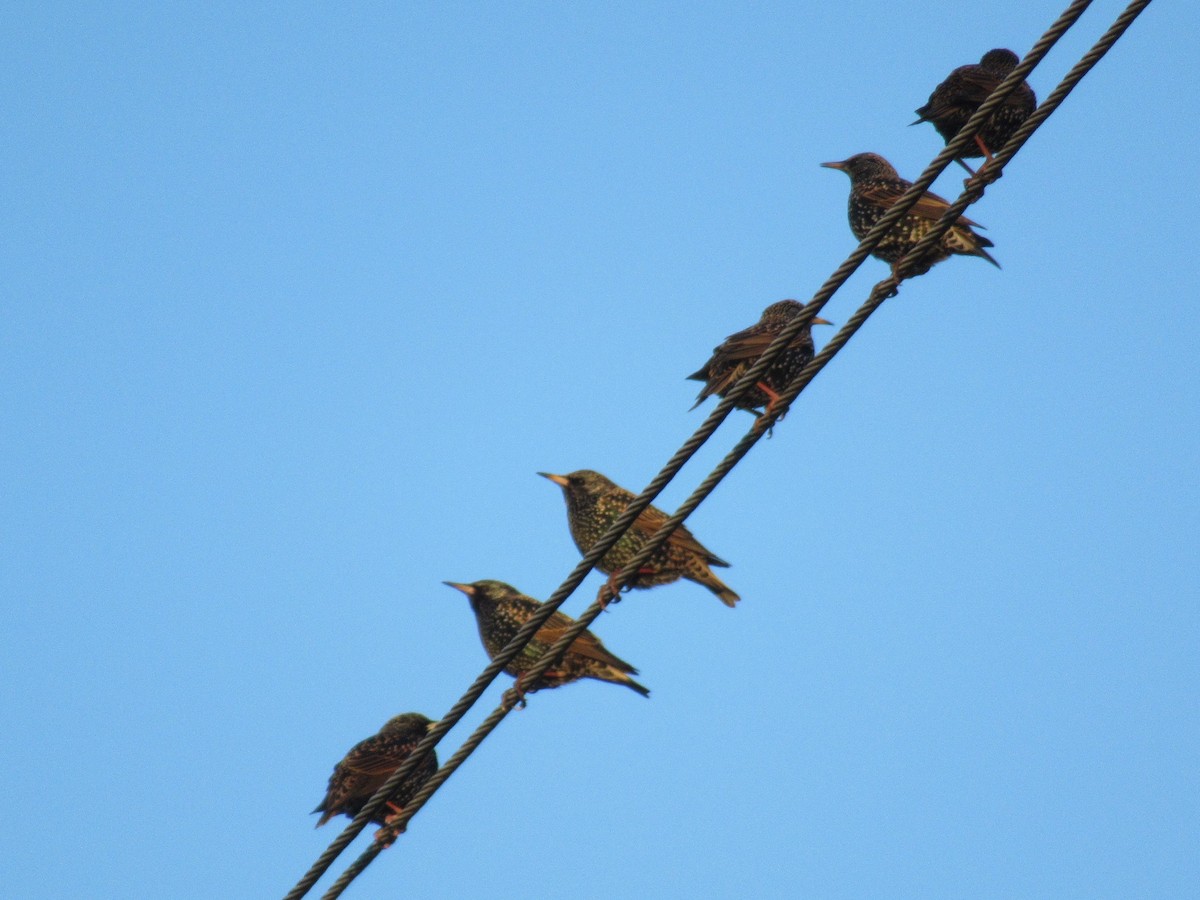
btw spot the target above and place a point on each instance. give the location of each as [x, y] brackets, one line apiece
[386, 836]
[610, 592]
[515, 695]
[765, 418]
[894, 288]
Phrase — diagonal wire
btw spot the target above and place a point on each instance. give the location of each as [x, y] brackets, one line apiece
[494, 719]
[881, 292]
[973, 191]
[645, 498]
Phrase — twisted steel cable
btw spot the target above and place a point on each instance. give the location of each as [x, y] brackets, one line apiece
[881, 292]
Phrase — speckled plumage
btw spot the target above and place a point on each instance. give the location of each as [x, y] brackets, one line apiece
[371, 762]
[875, 187]
[594, 503]
[500, 611]
[738, 352]
[964, 90]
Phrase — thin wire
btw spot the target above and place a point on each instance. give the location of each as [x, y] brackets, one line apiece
[881, 292]
[949, 153]
[719, 413]
[972, 192]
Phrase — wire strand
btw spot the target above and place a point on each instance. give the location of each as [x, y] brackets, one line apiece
[879, 294]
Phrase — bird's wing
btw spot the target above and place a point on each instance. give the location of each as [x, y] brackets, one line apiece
[653, 519]
[929, 206]
[587, 644]
[746, 344]
[376, 756]
[971, 84]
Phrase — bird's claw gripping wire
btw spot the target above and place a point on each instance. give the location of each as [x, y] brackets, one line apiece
[514, 697]
[610, 592]
[386, 836]
[766, 419]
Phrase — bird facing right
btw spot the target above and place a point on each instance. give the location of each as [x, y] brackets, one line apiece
[875, 186]
[955, 100]
[735, 356]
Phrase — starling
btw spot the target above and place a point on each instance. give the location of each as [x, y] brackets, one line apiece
[370, 763]
[734, 357]
[956, 99]
[501, 610]
[594, 503]
[874, 189]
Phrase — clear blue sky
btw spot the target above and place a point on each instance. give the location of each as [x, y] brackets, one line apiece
[296, 301]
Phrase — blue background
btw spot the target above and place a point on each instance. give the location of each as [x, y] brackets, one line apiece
[298, 297]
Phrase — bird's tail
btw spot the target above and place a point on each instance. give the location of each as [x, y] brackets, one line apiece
[706, 577]
[979, 251]
[701, 375]
[970, 243]
[633, 685]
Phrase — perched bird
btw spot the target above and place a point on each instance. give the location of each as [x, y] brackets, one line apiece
[370, 763]
[956, 99]
[594, 503]
[500, 611]
[874, 189]
[738, 352]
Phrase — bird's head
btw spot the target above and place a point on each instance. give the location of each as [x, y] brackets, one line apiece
[999, 61]
[786, 310]
[410, 723]
[580, 484]
[864, 166]
[484, 592]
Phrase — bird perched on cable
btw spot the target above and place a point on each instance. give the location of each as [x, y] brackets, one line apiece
[958, 97]
[734, 357]
[875, 187]
[594, 503]
[369, 764]
[500, 611]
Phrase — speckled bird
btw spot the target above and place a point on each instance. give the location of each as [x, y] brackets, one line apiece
[964, 90]
[370, 763]
[874, 189]
[594, 503]
[738, 352]
[500, 611]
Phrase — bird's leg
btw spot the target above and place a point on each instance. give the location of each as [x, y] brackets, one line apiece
[772, 397]
[986, 167]
[963, 163]
[610, 593]
[761, 421]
